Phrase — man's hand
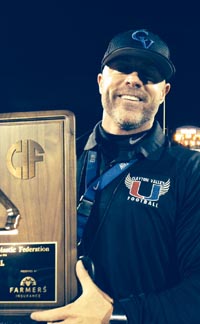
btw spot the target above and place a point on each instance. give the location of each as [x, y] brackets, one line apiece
[92, 307]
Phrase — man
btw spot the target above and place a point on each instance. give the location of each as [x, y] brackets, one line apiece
[139, 220]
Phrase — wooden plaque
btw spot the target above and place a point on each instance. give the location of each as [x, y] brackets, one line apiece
[37, 211]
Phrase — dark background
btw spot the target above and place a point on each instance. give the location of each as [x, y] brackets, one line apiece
[50, 53]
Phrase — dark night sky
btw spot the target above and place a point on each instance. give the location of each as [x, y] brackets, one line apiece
[51, 51]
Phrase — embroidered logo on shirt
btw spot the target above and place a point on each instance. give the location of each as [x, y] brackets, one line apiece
[145, 190]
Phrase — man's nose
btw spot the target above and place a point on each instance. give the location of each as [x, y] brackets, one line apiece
[133, 80]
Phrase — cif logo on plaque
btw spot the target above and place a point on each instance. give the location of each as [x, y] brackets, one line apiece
[22, 158]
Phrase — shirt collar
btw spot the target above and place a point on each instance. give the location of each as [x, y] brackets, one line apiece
[148, 146]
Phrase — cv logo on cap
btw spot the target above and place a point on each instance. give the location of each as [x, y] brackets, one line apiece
[142, 36]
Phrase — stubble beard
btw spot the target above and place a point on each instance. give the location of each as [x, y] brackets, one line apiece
[131, 123]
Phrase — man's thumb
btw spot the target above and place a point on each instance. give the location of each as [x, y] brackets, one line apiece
[83, 275]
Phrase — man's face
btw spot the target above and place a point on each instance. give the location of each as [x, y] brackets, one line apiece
[131, 91]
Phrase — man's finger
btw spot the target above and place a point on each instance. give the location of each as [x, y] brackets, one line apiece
[51, 315]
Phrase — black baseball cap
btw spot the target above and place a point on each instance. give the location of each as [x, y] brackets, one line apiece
[143, 44]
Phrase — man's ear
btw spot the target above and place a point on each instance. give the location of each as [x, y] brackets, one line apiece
[99, 81]
[164, 92]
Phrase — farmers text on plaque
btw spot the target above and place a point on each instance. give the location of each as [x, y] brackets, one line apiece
[37, 211]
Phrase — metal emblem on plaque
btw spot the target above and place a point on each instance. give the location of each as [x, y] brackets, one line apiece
[37, 211]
